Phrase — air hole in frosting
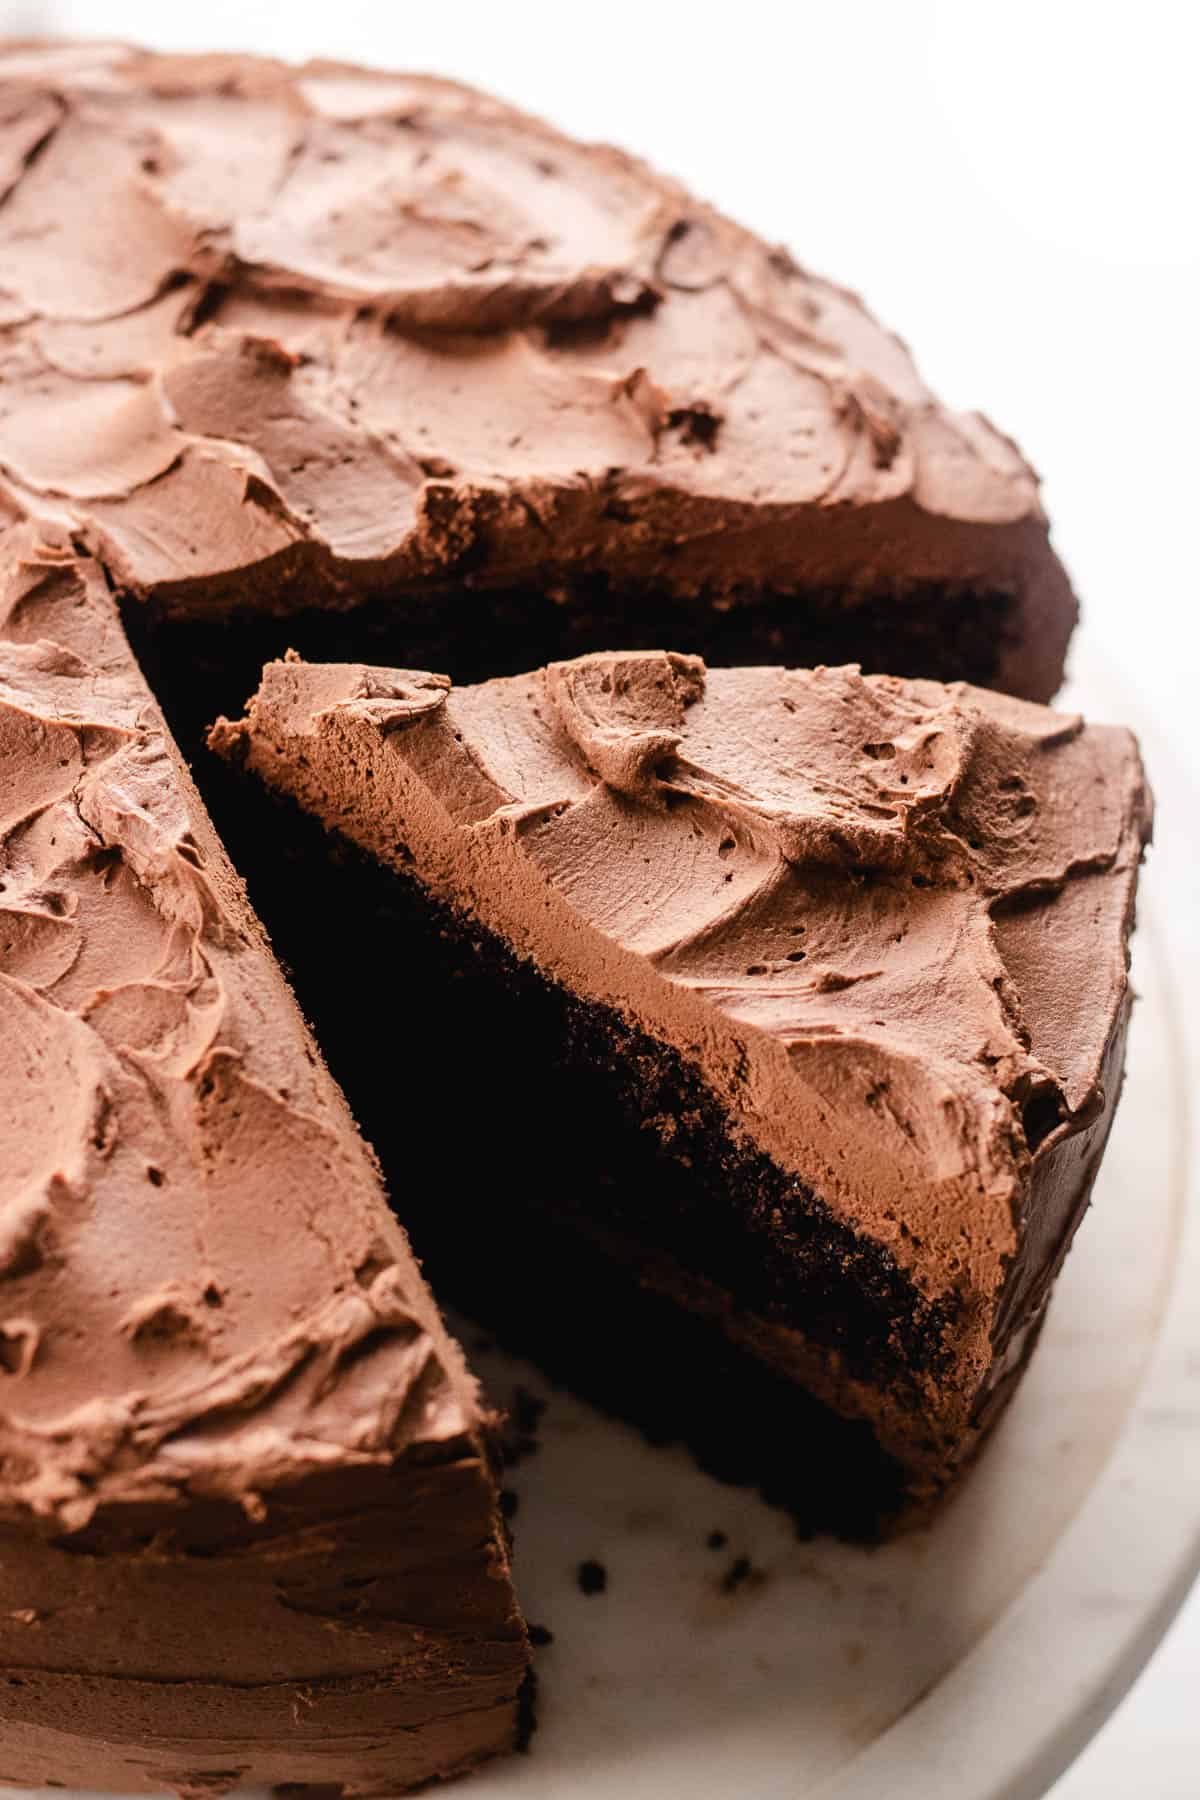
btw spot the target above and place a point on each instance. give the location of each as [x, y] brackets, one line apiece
[18, 1346]
[1042, 1114]
[106, 861]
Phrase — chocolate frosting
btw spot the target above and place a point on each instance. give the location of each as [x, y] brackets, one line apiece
[887, 920]
[271, 334]
[212, 1331]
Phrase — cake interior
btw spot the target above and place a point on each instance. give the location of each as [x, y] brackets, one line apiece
[488, 1090]
[946, 633]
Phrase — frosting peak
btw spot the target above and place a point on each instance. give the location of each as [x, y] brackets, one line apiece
[623, 713]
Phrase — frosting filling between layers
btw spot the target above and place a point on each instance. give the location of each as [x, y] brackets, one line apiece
[791, 879]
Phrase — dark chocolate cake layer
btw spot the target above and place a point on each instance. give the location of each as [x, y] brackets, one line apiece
[281, 338]
[249, 1529]
[850, 954]
[545, 1288]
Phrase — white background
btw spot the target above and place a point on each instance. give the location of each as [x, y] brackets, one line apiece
[1014, 187]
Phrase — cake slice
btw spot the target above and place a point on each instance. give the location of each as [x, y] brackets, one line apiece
[248, 1522]
[788, 1031]
[381, 341]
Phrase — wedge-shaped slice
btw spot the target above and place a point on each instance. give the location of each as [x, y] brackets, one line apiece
[249, 1529]
[794, 1026]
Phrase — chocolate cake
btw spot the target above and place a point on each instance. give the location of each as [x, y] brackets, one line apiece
[313, 339]
[249, 1529]
[381, 368]
[804, 995]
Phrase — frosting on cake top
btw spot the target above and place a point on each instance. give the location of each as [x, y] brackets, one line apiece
[269, 334]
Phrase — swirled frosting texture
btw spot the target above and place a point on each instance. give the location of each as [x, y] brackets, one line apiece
[204, 1299]
[886, 919]
[272, 334]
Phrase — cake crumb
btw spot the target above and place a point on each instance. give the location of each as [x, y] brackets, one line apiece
[740, 1573]
[592, 1577]
[540, 1636]
[519, 1438]
[716, 1540]
[527, 1720]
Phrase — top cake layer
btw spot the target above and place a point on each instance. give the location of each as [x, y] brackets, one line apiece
[272, 335]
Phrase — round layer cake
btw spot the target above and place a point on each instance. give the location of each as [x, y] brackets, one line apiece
[380, 368]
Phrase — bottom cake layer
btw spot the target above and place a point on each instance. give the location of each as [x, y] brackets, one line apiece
[482, 1087]
[293, 1741]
